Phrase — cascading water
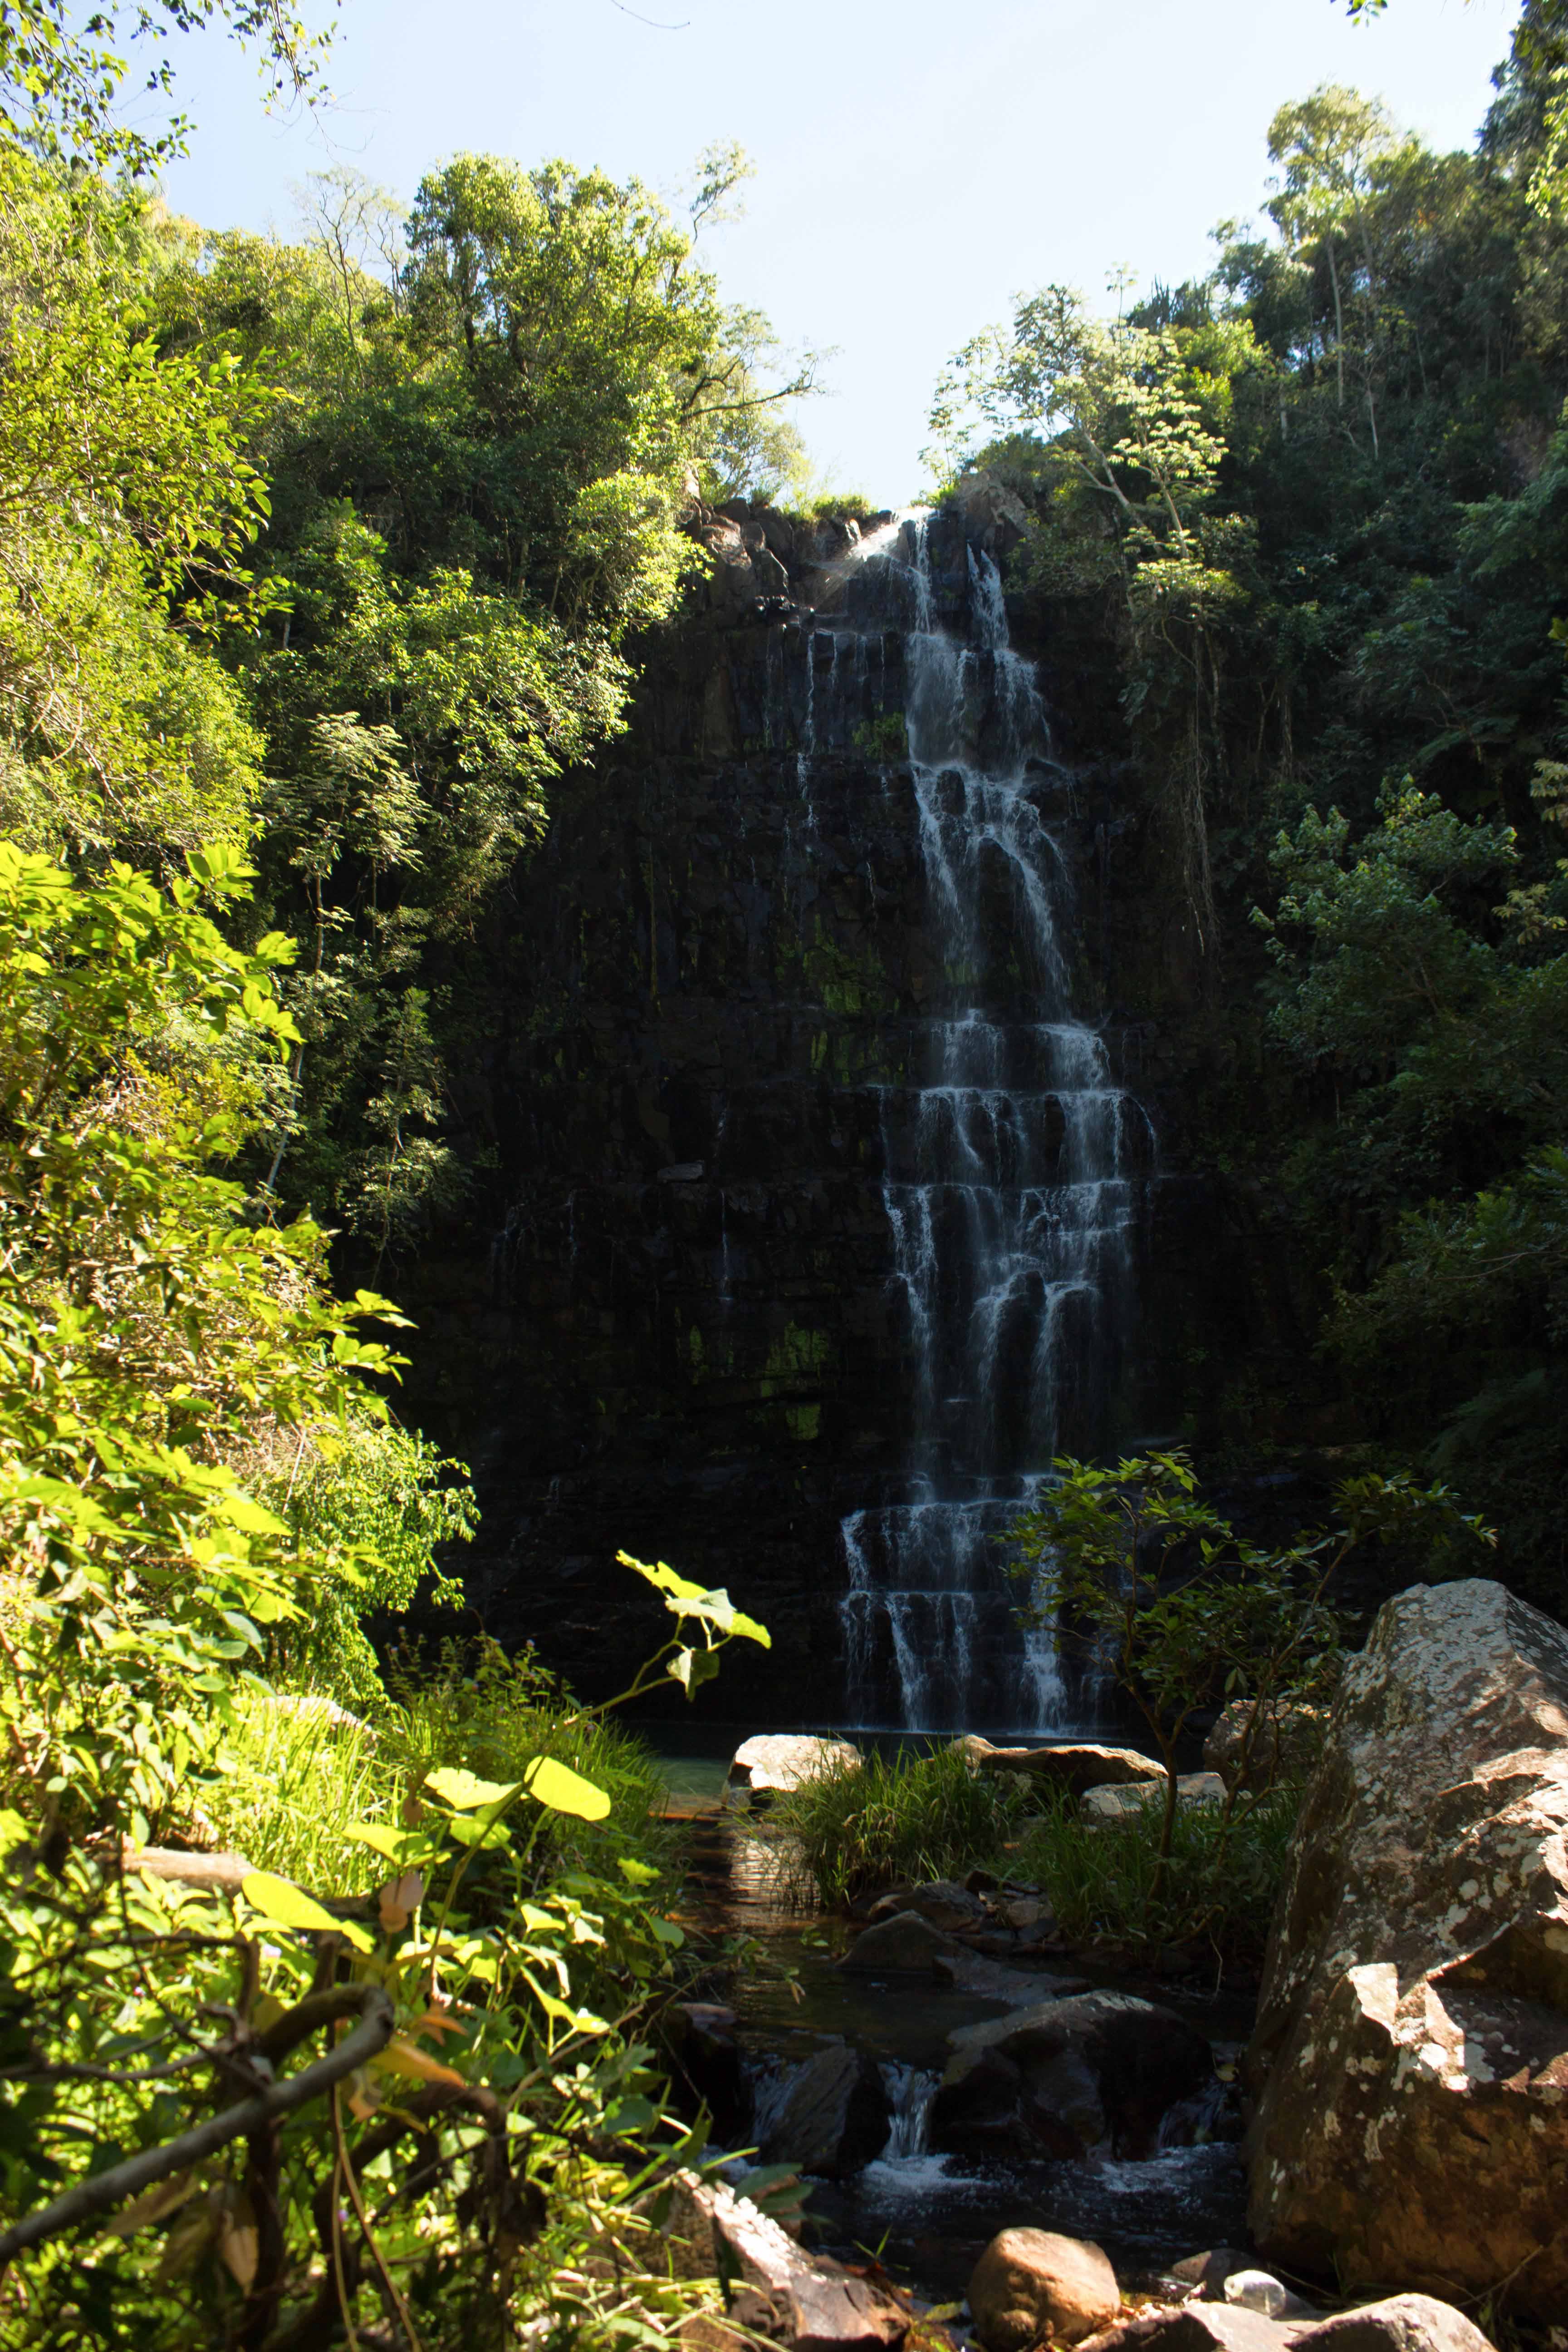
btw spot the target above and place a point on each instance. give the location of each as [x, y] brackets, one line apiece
[1012, 1186]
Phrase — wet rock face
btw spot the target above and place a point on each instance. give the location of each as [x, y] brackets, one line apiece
[834, 2116]
[1099, 2070]
[708, 1028]
[1410, 2053]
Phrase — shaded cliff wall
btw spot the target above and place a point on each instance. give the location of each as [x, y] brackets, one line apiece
[679, 1335]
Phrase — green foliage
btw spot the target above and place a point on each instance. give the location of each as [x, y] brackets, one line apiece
[913, 1815]
[62, 80]
[1167, 1602]
[126, 497]
[1109, 1885]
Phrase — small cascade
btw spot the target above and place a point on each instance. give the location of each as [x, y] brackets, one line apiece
[1014, 1168]
[910, 2091]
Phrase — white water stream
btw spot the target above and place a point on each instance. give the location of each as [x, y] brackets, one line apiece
[1012, 1186]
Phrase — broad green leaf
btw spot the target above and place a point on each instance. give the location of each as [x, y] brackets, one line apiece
[464, 1792]
[287, 1905]
[638, 1874]
[563, 1791]
[391, 1843]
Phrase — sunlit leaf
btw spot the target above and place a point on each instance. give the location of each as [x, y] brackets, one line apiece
[464, 1790]
[563, 1791]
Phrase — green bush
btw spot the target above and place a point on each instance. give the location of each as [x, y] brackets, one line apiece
[913, 1815]
[1104, 1880]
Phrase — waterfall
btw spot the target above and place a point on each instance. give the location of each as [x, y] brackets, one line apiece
[1012, 1168]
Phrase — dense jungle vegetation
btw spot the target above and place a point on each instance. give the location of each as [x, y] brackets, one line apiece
[1308, 520]
[322, 564]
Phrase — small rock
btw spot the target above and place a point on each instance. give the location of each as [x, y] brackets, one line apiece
[1208, 2272]
[941, 1900]
[1123, 1802]
[905, 1945]
[1028, 1913]
[782, 1760]
[1030, 2282]
[1257, 2290]
[1404, 2323]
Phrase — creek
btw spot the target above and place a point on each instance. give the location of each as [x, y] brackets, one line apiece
[929, 2215]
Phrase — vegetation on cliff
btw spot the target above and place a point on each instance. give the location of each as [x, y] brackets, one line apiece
[1308, 514]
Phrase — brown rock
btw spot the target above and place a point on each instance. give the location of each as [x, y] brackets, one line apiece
[1075, 1765]
[1030, 2282]
[1411, 2043]
[941, 1901]
[1284, 1743]
[1404, 2322]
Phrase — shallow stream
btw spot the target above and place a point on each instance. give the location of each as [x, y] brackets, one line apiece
[928, 2217]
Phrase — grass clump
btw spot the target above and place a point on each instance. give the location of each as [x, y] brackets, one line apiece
[914, 1815]
[1110, 1889]
[297, 1779]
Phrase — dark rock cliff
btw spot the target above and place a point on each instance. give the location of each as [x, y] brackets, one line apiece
[680, 1337]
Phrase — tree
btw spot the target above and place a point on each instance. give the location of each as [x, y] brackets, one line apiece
[1164, 1599]
[61, 77]
[1330, 145]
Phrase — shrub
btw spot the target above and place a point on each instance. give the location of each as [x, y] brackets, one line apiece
[907, 1816]
[1109, 1885]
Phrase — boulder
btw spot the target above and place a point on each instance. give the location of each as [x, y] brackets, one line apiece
[834, 2116]
[1411, 2052]
[779, 2292]
[783, 1760]
[1284, 1744]
[1094, 2070]
[1125, 1802]
[1030, 2283]
[905, 1945]
[941, 1901]
[1075, 1766]
[1402, 2323]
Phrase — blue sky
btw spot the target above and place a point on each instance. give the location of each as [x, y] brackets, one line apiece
[917, 161]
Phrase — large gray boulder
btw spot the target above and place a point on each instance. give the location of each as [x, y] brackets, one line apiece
[1410, 2053]
[1096, 2070]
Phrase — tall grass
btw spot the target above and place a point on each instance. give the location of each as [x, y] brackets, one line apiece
[1103, 1881]
[909, 1816]
[918, 1816]
[297, 1781]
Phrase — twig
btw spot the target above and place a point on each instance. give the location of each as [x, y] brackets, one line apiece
[123, 2181]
